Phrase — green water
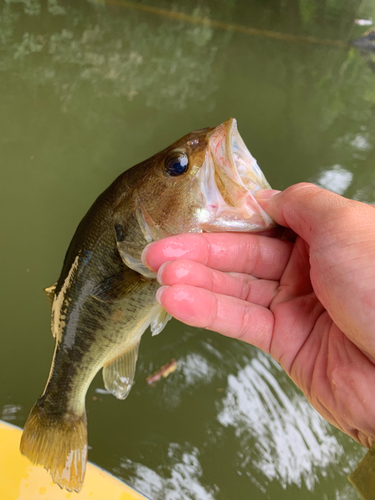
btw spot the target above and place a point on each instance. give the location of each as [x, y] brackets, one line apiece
[88, 90]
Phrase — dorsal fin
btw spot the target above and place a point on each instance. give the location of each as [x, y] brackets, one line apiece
[50, 293]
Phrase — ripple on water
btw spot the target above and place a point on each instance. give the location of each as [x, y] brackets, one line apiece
[281, 435]
[182, 482]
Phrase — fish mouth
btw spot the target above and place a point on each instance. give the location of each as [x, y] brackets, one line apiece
[231, 178]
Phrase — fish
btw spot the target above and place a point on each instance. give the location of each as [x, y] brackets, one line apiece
[104, 299]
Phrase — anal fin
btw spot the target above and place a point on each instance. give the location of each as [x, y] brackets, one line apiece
[118, 374]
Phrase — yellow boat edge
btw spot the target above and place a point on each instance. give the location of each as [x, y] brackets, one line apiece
[21, 480]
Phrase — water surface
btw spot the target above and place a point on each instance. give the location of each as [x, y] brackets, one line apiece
[88, 89]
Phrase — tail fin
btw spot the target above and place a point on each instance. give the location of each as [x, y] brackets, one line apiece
[60, 445]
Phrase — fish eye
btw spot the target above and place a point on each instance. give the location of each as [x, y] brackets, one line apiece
[177, 164]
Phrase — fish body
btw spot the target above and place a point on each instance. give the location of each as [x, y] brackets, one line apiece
[105, 297]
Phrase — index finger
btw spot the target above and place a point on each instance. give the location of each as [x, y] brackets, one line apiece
[260, 256]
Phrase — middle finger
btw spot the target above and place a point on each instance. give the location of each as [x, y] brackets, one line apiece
[238, 285]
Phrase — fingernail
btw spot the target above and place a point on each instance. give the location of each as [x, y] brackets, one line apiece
[159, 276]
[265, 194]
[144, 254]
[160, 292]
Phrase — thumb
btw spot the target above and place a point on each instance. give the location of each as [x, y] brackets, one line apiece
[341, 238]
[311, 211]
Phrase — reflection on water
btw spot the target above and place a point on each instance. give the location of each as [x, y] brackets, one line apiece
[181, 482]
[192, 371]
[360, 142]
[9, 412]
[112, 58]
[358, 145]
[336, 179]
[281, 436]
[196, 370]
[355, 150]
[233, 409]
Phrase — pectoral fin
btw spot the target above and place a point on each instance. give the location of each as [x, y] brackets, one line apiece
[50, 293]
[124, 248]
[118, 375]
[159, 320]
[135, 264]
[126, 235]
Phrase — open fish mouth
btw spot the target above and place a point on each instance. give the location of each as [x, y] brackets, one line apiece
[229, 181]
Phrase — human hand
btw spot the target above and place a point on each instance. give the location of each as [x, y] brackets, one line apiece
[309, 303]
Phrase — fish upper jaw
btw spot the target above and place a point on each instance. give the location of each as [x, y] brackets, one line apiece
[228, 180]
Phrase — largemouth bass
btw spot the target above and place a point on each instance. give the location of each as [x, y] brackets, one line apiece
[105, 297]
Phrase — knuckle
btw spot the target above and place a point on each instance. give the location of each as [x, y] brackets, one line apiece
[212, 312]
[247, 287]
[301, 189]
[245, 323]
